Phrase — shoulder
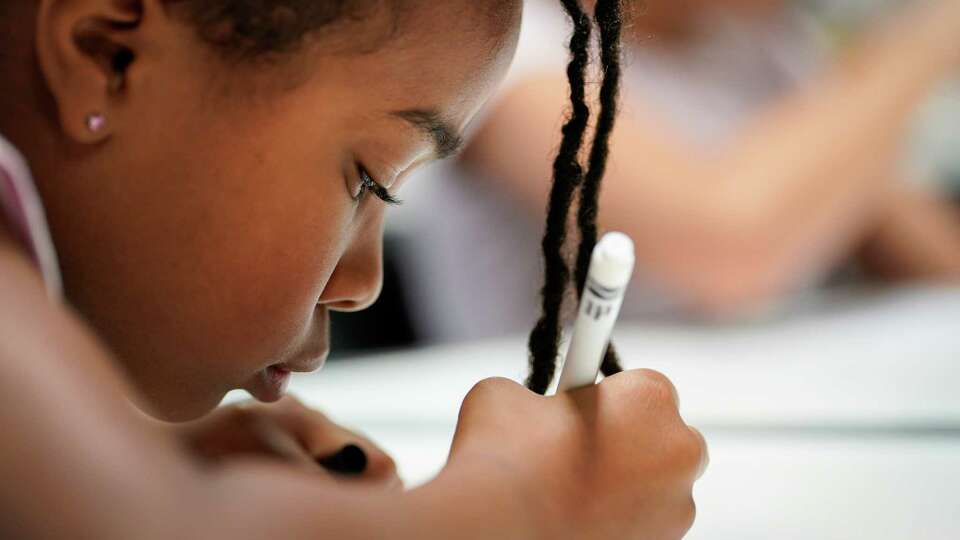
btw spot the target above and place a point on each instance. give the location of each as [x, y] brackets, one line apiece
[21, 286]
[21, 209]
[30, 319]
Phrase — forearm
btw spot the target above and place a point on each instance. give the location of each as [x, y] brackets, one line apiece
[464, 502]
[76, 455]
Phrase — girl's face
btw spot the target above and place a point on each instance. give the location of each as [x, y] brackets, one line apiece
[212, 225]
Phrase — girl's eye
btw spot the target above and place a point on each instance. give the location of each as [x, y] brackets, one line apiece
[368, 184]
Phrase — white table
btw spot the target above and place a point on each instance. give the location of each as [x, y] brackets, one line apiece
[838, 424]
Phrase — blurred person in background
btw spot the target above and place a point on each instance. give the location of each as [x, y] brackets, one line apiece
[745, 166]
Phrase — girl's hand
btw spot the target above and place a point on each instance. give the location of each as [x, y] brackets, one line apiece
[292, 433]
[614, 460]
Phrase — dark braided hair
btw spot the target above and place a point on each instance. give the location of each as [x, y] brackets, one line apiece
[609, 17]
[567, 175]
[544, 340]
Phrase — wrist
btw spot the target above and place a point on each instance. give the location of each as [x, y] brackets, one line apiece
[489, 496]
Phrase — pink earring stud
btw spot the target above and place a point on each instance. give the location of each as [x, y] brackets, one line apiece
[95, 122]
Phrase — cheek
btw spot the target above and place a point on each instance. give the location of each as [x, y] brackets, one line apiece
[223, 255]
[271, 254]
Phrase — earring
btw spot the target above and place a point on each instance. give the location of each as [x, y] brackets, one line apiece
[95, 122]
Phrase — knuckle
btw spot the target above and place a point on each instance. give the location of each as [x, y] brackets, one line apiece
[488, 396]
[658, 381]
[689, 514]
[492, 386]
[654, 387]
[701, 450]
[688, 452]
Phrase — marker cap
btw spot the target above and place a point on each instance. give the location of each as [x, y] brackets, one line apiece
[613, 259]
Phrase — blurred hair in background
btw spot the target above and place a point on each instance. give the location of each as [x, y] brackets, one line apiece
[748, 166]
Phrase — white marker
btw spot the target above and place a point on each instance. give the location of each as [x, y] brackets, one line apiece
[610, 269]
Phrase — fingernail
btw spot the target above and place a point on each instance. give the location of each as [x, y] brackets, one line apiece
[350, 460]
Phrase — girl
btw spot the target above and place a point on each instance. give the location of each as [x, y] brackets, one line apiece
[214, 175]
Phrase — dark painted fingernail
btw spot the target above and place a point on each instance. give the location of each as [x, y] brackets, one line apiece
[350, 460]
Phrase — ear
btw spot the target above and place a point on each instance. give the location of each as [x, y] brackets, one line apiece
[88, 50]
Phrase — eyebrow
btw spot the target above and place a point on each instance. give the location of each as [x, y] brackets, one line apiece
[446, 140]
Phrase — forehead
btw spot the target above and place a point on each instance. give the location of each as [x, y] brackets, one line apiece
[446, 56]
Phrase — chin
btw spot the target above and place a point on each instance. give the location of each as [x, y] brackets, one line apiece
[180, 409]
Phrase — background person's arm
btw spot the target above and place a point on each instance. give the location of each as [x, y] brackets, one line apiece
[794, 193]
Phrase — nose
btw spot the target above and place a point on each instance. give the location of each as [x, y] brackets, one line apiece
[358, 278]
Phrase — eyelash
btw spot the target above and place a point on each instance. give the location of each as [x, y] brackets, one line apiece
[367, 183]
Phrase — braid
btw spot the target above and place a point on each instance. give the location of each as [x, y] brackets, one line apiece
[568, 177]
[567, 174]
[609, 18]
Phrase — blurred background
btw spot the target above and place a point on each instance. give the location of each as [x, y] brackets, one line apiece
[790, 174]
[462, 254]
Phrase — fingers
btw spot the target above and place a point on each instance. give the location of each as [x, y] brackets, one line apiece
[282, 443]
[646, 387]
[667, 392]
[657, 392]
[488, 396]
[482, 405]
[345, 453]
[362, 460]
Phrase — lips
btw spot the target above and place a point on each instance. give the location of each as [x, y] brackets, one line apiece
[315, 347]
[269, 384]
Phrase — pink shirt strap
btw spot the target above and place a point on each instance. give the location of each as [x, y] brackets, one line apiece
[21, 206]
